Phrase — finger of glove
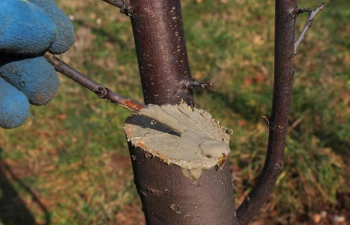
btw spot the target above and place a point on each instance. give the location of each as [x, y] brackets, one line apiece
[65, 35]
[14, 106]
[25, 28]
[35, 77]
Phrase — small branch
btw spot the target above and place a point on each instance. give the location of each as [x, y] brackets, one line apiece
[267, 121]
[296, 123]
[117, 3]
[299, 11]
[124, 5]
[92, 85]
[307, 25]
[190, 84]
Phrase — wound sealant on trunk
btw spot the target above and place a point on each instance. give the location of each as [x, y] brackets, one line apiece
[177, 134]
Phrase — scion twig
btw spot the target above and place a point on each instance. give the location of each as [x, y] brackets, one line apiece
[92, 85]
[307, 25]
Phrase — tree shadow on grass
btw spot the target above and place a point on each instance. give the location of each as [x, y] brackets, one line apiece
[338, 145]
[248, 105]
[13, 210]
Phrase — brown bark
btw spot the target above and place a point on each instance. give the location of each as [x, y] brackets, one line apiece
[167, 196]
[286, 13]
[161, 51]
[172, 199]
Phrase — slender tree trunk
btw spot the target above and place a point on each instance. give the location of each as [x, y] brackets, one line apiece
[286, 13]
[168, 198]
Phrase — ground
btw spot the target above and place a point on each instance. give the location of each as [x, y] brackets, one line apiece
[69, 163]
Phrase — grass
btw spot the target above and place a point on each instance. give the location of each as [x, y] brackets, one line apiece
[73, 155]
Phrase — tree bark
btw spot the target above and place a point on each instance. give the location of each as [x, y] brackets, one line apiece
[168, 198]
[286, 13]
[161, 51]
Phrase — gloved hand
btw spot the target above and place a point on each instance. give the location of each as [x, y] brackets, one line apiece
[29, 28]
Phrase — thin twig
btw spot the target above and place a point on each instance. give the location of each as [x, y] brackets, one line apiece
[296, 123]
[117, 3]
[267, 121]
[302, 10]
[190, 84]
[92, 85]
[307, 25]
[124, 6]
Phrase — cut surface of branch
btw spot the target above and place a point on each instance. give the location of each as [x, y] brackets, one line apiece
[92, 85]
[198, 131]
[307, 25]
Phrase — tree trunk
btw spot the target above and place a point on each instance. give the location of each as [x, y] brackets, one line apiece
[286, 13]
[161, 51]
[167, 196]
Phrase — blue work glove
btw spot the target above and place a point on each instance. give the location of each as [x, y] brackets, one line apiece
[29, 28]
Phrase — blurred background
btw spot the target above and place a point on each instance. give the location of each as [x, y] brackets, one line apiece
[69, 163]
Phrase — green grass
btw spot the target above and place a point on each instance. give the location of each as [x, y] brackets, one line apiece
[73, 154]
